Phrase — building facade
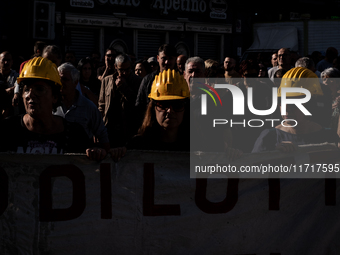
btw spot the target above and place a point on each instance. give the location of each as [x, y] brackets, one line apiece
[205, 28]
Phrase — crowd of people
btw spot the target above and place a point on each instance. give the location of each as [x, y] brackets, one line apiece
[56, 104]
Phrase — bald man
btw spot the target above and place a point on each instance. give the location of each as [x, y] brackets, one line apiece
[181, 59]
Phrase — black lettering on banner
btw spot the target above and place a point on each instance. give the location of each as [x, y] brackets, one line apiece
[274, 194]
[3, 191]
[46, 211]
[149, 207]
[105, 191]
[214, 208]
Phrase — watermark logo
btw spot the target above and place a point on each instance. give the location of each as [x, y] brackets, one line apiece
[238, 100]
[204, 97]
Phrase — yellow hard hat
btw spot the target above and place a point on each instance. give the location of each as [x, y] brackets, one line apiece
[169, 85]
[300, 77]
[40, 68]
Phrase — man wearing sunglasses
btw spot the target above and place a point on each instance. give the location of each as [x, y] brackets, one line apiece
[109, 67]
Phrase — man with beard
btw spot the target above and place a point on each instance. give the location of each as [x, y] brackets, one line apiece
[229, 70]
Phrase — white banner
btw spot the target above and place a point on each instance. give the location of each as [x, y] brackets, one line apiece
[147, 204]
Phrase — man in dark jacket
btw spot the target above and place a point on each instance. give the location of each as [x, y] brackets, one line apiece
[117, 102]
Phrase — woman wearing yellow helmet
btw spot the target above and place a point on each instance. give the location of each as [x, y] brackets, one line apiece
[166, 122]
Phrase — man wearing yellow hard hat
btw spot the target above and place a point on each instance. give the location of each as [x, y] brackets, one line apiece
[297, 128]
[38, 130]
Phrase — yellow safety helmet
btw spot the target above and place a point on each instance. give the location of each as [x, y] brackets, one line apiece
[169, 85]
[300, 77]
[40, 68]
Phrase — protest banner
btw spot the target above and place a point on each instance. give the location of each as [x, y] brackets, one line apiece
[148, 204]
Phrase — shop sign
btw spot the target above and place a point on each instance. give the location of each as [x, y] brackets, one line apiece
[89, 21]
[179, 5]
[153, 25]
[227, 29]
[82, 3]
[218, 9]
[134, 3]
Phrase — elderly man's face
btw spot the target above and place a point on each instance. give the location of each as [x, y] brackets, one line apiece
[194, 70]
[123, 69]
[69, 86]
[38, 98]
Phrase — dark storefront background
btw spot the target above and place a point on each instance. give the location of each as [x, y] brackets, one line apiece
[86, 25]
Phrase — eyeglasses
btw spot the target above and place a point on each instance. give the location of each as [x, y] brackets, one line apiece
[177, 105]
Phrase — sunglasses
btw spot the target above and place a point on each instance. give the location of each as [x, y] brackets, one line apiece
[177, 105]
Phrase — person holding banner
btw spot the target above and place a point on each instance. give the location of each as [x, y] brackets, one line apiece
[39, 131]
[166, 123]
[297, 128]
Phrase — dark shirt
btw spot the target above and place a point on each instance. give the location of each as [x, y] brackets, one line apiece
[17, 138]
[101, 70]
[143, 100]
[92, 84]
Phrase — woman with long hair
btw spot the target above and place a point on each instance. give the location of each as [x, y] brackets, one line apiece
[166, 122]
[90, 85]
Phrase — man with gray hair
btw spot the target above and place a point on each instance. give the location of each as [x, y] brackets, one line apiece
[77, 108]
[194, 68]
[307, 63]
[116, 102]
